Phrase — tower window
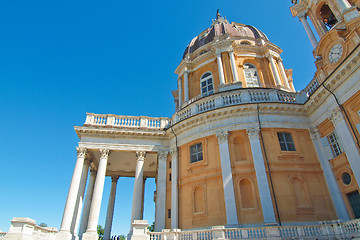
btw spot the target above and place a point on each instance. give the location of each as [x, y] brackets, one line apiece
[334, 144]
[286, 141]
[206, 84]
[196, 153]
[328, 16]
[251, 75]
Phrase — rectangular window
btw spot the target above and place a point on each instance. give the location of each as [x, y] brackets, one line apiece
[196, 153]
[169, 176]
[334, 144]
[286, 141]
[169, 213]
[169, 165]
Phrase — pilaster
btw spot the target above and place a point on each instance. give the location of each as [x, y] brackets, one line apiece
[174, 188]
[160, 211]
[261, 176]
[347, 141]
[229, 195]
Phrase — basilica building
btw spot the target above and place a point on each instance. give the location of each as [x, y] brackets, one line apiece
[243, 148]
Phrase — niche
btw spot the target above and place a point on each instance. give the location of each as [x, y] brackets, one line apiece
[198, 200]
[247, 194]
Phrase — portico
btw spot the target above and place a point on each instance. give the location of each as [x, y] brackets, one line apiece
[114, 160]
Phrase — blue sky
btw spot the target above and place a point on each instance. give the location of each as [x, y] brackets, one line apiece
[61, 59]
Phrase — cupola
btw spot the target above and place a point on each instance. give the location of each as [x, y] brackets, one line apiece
[227, 56]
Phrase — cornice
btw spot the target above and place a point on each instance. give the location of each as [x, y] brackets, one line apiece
[82, 131]
[245, 111]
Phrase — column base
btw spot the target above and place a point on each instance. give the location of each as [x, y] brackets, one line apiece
[63, 235]
[90, 236]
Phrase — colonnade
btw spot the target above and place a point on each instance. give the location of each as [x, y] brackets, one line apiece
[75, 225]
[272, 57]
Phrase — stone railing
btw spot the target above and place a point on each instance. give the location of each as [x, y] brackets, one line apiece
[111, 120]
[325, 230]
[26, 228]
[311, 87]
[237, 97]
[2, 235]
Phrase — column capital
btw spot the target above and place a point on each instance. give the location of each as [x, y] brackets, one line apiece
[272, 55]
[104, 153]
[81, 152]
[336, 116]
[222, 136]
[302, 15]
[253, 133]
[114, 178]
[162, 155]
[314, 133]
[93, 170]
[173, 152]
[140, 155]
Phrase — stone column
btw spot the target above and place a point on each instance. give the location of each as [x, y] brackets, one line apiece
[274, 69]
[160, 211]
[64, 233]
[332, 185]
[186, 86]
[230, 203]
[283, 74]
[233, 66]
[91, 233]
[180, 92]
[347, 141]
[221, 69]
[138, 187]
[309, 32]
[174, 189]
[80, 200]
[143, 199]
[87, 204]
[110, 210]
[343, 5]
[261, 177]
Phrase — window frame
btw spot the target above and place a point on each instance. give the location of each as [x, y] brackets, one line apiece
[196, 153]
[205, 79]
[250, 83]
[334, 144]
[286, 142]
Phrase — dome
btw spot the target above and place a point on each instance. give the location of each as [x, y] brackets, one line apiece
[221, 28]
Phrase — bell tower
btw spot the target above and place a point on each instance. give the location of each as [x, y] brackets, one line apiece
[337, 25]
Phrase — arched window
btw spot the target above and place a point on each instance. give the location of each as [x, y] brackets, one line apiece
[251, 75]
[327, 16]
[206, 84]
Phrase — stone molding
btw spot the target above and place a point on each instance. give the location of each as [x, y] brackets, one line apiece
[223, 136]
[104, 153]
[253, 133]
[140, 155]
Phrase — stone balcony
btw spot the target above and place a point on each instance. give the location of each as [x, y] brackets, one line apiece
[238, 96]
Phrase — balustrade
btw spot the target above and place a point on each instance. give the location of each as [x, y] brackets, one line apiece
[329, 230]
[111, 120]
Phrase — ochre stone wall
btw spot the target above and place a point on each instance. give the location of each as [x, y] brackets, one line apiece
[298, 181]
[201, 194]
